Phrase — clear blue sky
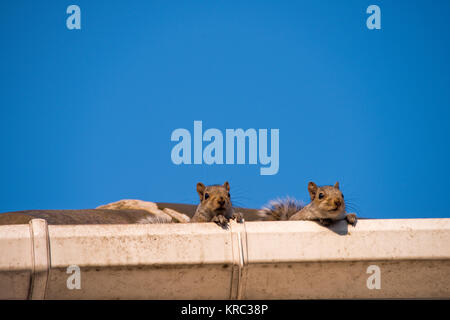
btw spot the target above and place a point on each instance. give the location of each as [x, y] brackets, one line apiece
[86, 115]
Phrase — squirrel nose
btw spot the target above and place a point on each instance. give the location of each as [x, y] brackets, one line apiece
[337, 202]
[221, 201]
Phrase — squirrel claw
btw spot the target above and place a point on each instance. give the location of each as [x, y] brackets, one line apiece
[221, 221]
[238, 217]
[325, 222]
[351, 219]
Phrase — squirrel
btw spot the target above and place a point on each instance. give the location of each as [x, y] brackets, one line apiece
[149, 212]
[327, 205]
[215, 205]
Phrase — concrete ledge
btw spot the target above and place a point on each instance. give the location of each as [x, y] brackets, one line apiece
[255, 260]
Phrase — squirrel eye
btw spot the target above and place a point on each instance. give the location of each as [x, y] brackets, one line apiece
[320, 195]
[206, 196]
[229, 196]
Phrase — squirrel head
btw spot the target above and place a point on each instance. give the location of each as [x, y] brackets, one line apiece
[327, 199]
[215, 198]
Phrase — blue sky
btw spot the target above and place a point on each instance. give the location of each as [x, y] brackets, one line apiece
[86, 115]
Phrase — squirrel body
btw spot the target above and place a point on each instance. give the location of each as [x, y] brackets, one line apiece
[327, 205]
[215, 205]
[152, 213]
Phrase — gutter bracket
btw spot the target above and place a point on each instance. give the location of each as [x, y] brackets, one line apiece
[240, 260]
[40, 257]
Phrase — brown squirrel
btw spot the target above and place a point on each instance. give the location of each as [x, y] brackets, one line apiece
[215, 205]
[327, 205]
[151, 213]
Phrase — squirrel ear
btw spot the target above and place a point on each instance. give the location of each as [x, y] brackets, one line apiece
[226, 185]
[336, 185]
[200, 189]
[312, 188]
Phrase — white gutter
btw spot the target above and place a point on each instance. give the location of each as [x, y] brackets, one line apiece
[255, 260]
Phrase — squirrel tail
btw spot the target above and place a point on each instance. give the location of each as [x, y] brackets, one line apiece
[154, 220]
[280, 209]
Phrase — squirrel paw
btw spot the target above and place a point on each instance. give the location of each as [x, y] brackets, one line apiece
[221, 221]
[325, 222]
[238, 217]
[351, 219]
